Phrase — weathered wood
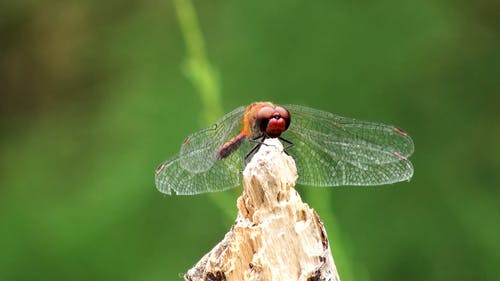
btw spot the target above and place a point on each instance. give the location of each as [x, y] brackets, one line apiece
[275, 236]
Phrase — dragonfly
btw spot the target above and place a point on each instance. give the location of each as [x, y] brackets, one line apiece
[328, 149]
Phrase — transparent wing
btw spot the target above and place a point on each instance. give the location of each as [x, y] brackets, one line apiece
[199, 151]
[171, 177]
[332, 150]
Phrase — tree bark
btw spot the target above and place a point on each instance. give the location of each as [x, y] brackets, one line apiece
[275, 236]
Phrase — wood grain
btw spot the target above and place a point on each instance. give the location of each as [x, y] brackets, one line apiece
[275, 236]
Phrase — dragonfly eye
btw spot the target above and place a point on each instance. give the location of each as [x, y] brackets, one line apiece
[262, 118]
[285, 114]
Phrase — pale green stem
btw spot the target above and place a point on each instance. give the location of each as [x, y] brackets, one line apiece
[205, 79]
[197, 67]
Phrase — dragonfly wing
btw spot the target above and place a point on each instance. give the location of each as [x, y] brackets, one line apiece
[332, 150]
[171, 177]
[199, 151]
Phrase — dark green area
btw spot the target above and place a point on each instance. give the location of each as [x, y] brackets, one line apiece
[93, 96]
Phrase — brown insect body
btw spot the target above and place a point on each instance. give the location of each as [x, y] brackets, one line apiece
[261, 120]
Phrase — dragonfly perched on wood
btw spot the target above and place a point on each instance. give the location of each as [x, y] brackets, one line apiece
[328, 149]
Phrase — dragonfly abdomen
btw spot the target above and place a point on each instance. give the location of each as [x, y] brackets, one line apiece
[231, 146]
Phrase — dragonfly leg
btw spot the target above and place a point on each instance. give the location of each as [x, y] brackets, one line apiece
[259, 139]
[288, 144]
[258, 142]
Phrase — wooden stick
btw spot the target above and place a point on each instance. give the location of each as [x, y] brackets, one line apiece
[275, 236]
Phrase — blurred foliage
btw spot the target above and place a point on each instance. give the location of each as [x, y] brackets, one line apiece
[94, 94]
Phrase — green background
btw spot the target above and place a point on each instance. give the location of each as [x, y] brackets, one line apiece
[94, 94]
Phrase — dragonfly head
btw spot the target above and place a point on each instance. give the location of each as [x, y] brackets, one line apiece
[273, 121]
